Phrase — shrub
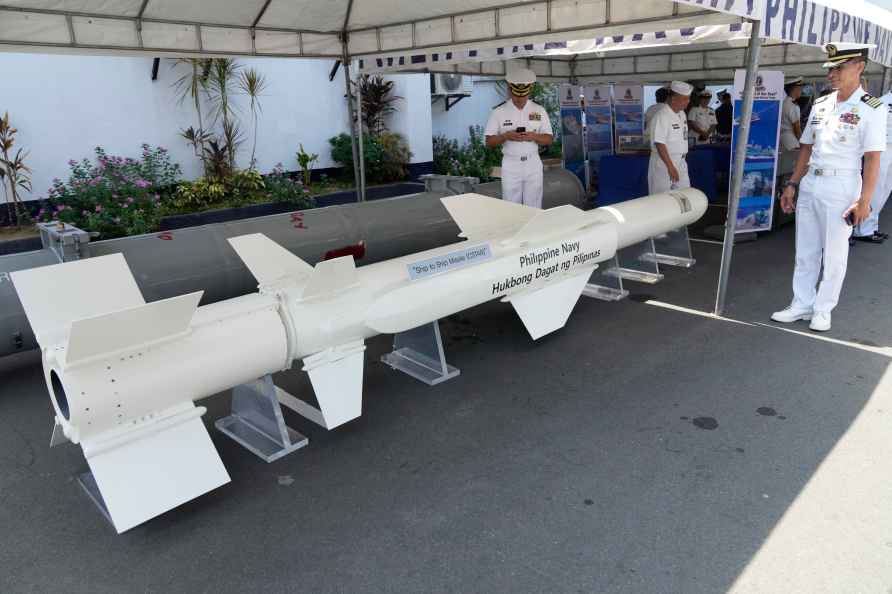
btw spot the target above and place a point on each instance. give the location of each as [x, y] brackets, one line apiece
[241, 188]
[386, 156]
[473, 159]
[115, 196]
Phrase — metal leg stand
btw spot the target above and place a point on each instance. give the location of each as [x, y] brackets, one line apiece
[638, 263]
[88, 484]
[419, 353]
[674, 249]
[257, 423]
[604, 286]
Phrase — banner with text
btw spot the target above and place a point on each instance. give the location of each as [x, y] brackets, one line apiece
[572, 141]
[599, 129]
[810, 23]
[628, 108]
[747, 8]
[759, 167]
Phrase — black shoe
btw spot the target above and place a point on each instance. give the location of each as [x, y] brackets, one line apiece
[868, 238]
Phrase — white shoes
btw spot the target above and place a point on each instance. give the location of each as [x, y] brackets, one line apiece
[820, 322]
[792, 314]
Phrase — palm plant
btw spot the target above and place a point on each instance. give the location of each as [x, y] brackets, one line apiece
[253, 84]
[191, 86]
[221, 85]
[13, 169]
[378, 102]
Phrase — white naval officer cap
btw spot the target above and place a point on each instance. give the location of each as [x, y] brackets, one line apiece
[520, 81]
[796, 80]
[840, 53]
[681, 88]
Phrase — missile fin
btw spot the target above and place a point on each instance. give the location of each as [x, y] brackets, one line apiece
[152, 469]
[267, 260]
[547, 309]
[331, 276]
[476, 214]
[54, 296]
[548, 222]
[336, 376]
[132, 327]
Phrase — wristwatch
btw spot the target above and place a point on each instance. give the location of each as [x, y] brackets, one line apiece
[792, 183]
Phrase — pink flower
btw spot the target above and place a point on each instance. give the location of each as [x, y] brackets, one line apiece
[124, 205]
[130, 200]
[157, 197]
[141, 183]
[98, 208]
[72, 162]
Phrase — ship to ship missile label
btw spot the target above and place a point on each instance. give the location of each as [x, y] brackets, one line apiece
[124, 375]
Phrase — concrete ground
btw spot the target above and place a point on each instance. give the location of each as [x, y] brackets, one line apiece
[645, 448]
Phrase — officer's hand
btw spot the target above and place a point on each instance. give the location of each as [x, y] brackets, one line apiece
[673, 174]
[788, 199]
[515, 136]
[860, 211]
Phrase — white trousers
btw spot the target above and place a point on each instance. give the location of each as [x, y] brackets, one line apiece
[522, 181]
[658, 176]
[822, 237]
[880, 194]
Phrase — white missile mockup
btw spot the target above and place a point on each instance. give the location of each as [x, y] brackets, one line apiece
[123, 374]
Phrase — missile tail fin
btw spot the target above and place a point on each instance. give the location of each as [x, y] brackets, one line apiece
[55, 296]
[131, 327]
[545, 310]
[549, 222]
[476, 214]
[331, 276]
[143, 473]
[267, 260]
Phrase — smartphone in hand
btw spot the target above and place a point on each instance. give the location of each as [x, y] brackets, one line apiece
[521, 129]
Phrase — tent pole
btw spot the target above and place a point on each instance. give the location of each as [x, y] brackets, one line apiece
[752, 64]
[351, 120]
[361, 142]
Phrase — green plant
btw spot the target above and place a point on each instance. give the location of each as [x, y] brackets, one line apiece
[216, 156]
[306, 160]
[395, 157]
[13, 170]
[377, 102]
[253, 84]
[114, 196]
[282, 188]
[386, 157]
[472, 159]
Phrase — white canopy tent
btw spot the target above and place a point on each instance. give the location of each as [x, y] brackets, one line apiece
[476, 34]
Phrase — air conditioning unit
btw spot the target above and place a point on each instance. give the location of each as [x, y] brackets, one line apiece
[451, 84]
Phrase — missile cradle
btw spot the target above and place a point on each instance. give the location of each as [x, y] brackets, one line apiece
[124, 374]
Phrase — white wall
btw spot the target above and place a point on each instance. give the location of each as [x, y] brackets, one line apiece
[413, 116]
[64, 106]
[470, 111]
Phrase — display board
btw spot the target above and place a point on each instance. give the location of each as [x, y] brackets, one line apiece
[757, 189]
[629, 109]
[599, 128]
[572, 140]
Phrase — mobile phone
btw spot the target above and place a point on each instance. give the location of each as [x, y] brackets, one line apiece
[521, 129]
[850, 219]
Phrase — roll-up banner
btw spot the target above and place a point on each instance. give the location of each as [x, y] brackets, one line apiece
[599, 131]
[572, 141]
[759, 168]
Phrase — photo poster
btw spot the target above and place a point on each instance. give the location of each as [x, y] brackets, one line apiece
[599, 127]
[572, 140]
[756, 205]
[628, 105]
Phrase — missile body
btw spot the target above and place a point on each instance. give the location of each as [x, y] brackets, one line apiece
[124, 374]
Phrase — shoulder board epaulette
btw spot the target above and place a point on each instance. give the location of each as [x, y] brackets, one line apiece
[871, 100]
[819, 99]
[500, 104]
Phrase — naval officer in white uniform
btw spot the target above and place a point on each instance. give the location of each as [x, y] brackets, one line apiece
[834, 194]
[667, 169]
[520, 127]
[869, 230]
[791, 129]
[701, 119]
